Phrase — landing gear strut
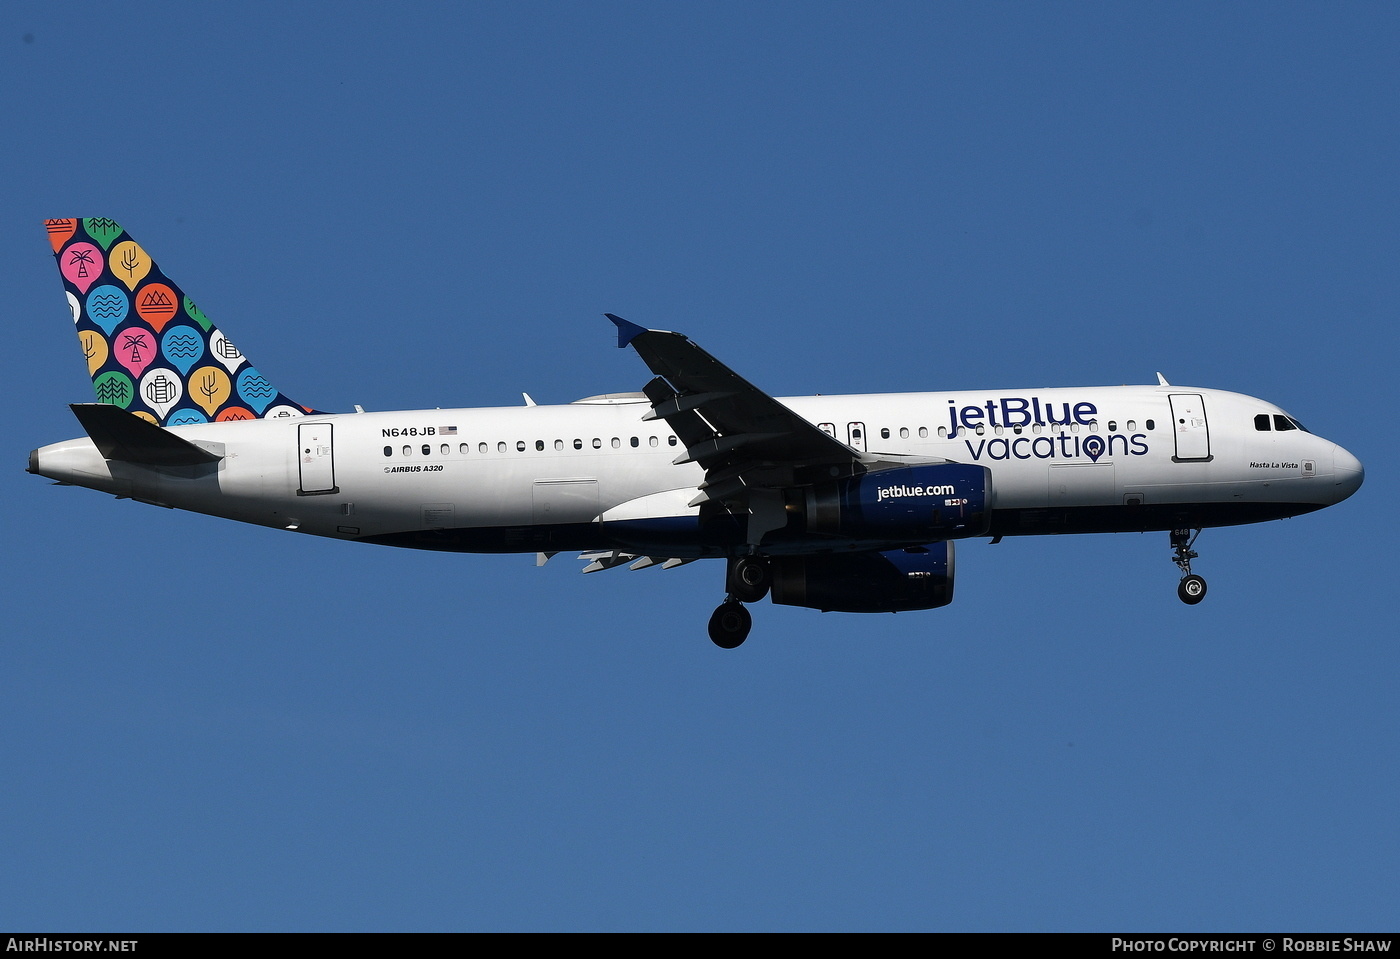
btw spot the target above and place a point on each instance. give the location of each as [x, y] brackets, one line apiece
[1192, 588]
[746, 581]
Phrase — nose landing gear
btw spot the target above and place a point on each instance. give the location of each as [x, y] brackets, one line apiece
[1192, 588]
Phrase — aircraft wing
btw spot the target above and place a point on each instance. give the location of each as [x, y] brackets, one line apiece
[744, 438]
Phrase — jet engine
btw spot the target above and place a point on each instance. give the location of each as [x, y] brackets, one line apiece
[892, 581]
[910, 503]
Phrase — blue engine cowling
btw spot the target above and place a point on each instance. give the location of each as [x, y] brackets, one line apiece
[912, 503]
[891, 581]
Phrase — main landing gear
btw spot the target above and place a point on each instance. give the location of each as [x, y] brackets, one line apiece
[747, 581]
[730, 624]
[1192, 588]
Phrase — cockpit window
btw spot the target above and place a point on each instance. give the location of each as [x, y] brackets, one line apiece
[1282, 423]
[1261, 422]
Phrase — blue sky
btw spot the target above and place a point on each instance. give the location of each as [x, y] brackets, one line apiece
[215, 727]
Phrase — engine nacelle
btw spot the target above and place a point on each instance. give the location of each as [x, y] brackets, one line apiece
[892, 581]
[914, 503]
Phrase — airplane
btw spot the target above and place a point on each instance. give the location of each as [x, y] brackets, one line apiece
[838, 503]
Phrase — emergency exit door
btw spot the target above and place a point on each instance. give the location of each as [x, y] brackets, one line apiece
[316, 458]
[855, 436]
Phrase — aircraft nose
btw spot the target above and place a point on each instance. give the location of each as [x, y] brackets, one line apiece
[1348, 471]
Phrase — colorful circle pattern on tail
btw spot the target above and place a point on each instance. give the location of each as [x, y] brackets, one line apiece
[137, 327]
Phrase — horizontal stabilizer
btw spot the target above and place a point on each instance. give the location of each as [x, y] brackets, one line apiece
[124, 436]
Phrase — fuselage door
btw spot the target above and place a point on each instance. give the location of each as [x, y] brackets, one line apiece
[316, 458]
[559, 502]
[855, 436]
[1189, 425]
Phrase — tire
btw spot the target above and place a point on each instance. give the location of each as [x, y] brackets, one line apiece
[1192, 589]
[730, 625]
[750, 578]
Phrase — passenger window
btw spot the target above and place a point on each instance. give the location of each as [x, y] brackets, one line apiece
[943, 432]
[578, 444]
[388, 451]
[670, 441]
[520, 446]
[465, 448]
[558, 444]
[539, 446]
[1151, 425]
[1283, 423]
[501, 446]
[635, 442]
[446, 449]
[981, 429]
[481, 447]
[923, 432]
[616, 443]
[597, 443]
[904, 432]
[654, 442]
[408, 451]
[427, 449]
[1112, 426]
[1261, 422]
[1132, 425]
[885, 433]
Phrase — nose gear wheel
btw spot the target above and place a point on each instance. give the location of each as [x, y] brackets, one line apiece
[1192, 588]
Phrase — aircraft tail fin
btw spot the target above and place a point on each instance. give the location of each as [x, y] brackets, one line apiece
[149, 349]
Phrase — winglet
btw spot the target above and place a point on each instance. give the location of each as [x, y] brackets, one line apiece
[1162, 380]
[626, 331]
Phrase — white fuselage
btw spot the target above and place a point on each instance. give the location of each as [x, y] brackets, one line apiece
[535, 477]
